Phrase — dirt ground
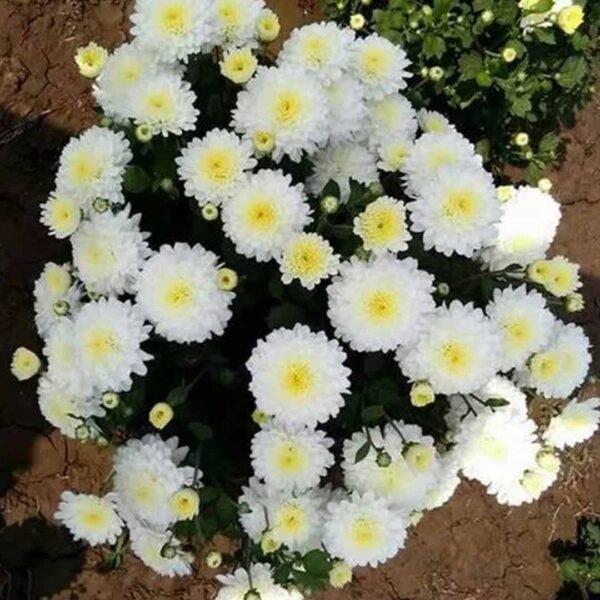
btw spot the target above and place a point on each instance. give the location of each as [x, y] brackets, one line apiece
[471, 549]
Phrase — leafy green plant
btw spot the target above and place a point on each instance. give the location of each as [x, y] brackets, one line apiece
[477, 62]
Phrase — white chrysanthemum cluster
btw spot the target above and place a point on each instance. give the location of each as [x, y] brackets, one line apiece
[373, 223]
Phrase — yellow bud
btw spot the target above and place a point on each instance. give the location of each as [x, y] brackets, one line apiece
[227, 279]
[539, 271]
[532, 482]
[143, 133]
[160, 415]
[340, 574]
[421, 394]
[268, 26]
[545, 184]
[210, 212]
[269, 543]
[574, 303]
[91, 59]
[509, 54]
[214, 559]
[185, 504]
[548, 461]
[505, 192]
[357, 22]
[25, 364]
[264, 141]
[521, 139]
[239, 65]
[570, 18]
[260, 417]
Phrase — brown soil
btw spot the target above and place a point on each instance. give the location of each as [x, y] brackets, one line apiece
[470, 549]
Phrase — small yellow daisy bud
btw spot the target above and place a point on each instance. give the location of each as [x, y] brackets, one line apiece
[160, 415]
[366, 2]
[538, 271]
[443, 289]
[239, 65]
[260, 417]
[424, 72]
[427, 10]
[509, 54]
[528, 155]
[82, 432]
[185, 504]
[570, 18]
[110, 400]
[210, 212]
[61, 308]
[264, 141]
[269, 543]
[357, 22]
[227, 279]
[168, 551]
[521, 139]
[91, 59]
[376, 188]
[167, 185]
[574, 303]
[340, 574]
[143, 133]
[505, 192]
[545, 184]
[532, 482]
[25, 364]
[436, 73]
[214, 559]
[548, 461]
[487, 16]
[330, 204]
[421, 394]
[268, 26]
[100, 205]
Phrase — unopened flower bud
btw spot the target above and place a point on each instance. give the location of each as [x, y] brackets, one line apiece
[214, 559]
[260, 417]
[160, 415]
[167, 185]
[436, 73]
[82, 432]
[252, 595]
[143, 133]
[424, 72]
[168, 551]
[357, 22]
[110, 400]
[61, 308]
[487, 16]
[427, 10]
[509, 54]
[574, 303]
[269, 543]
[100, 205]
[210, 212]
[330, 204]
[422, 394]
[227, 279]
[545, 184]
[443, 289]
[340, 574]
[521, 139]
[383, 459]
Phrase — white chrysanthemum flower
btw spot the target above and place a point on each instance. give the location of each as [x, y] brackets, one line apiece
[108, 335]
[363, 530]
[402, 472]
[65, 409]
[109, 251]
[347, 109]
[289, 104]
[262, 214]
[393, 152]
[239, 584]
[524, 322]
[458, 350]
[432, 152]
[382, 226]
[309, 258]
[299, 376]
[164, 102]
[457, 211]
[340, 163]
[92, 166]
[238, 65]
[61, 214]
[379, 65]
[90, 518]
[391, 116]
[558, 275]
[173, 29]
[379, 304]
[464, 407]
[178, 292]
[446, 483]
[147, 544]
[496, 447]
[254, 498]
[561, 366]
[213, 166]
[576, 423]
[236, 20]
[291, 459]
[431, 121]
[526, 229]
[55, 284]
[322, 49]
[24, 364]
[146, 475]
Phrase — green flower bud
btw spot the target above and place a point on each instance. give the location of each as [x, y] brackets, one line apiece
[61, 308]
[329, 204]
[210, 212]
[100, 205]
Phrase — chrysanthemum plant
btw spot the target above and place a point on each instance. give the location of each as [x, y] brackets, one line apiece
[298, 309]
[510, 74]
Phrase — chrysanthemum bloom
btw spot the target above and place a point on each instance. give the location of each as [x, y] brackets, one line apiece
[149, 546]
[61, 214]
[147, 475]
[174, 29]
[562, 365]
[379, 65]
[340, 574]
[236, 20]
[90, 518]
[526, 229]
[576, 423]
[213, 166]
[290, 104]
[446, 482]
[164, 102]
[347, 109]
[380, 304]
[340, 163]
[62, 360]
[457, 210]
[108, 252]
[458, 350]
[363, 530]
[267, 26]
[108, 335]
[570, 18]
[431, 121]
[394, 152]
[524, 322]
[239, 584]
[309, 258]
[322, 49]
[382, 226]
[299, 376]
[92, 166]
[391, 116]
[558, 275]
[238, 65]
[91, 59]
[25, 364]
[185, 503]
[262, 214]
[291, 459]
[178, 291]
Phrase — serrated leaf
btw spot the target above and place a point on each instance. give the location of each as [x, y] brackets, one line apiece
[433, 46]
[470, 65]
[572, 72]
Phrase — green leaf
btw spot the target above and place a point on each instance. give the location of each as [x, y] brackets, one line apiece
[362, 452]
[316, 563]
[546, 36]
[496, 402]
[208, 494]
[573, 71]
[549, 144]
[484, 79]
[136, 180]
[226, 510]
[480, 5]
[433, 45]
[507, 12]
[180, 394]
[470, 65]
[384, 391]
[203, 433]
[520, 106]
[372, 414]
[442, 7]
[284, 315]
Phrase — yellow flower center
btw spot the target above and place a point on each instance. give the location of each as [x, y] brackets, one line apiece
[365, 533]
[456, 358]
[492, 447]
[262, 216]
[229, 13]
[62, 213]
[128, 73]
[288, 108]
[178, 294]
[380, 226]
[518, 332]
[97, 255]
[174, 18]
[374, 62]
[217, 166]
[545, 366]
[84, 168]
[441, 157]
[306, 258]
[289, 459]
[316, 50]
[419, 457]
[460, 207]
[101, 343]
[291, 520]
[381, 307]
[94, 519]
[145, 490]
[58, 280]
[298, 379]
